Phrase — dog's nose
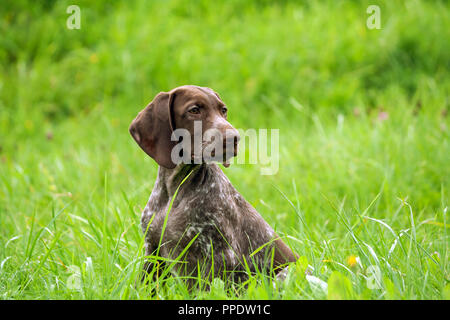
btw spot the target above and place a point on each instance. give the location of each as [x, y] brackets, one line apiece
[232, 137]
[231, 141]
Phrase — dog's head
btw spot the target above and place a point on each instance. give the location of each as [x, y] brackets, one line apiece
[186, 125]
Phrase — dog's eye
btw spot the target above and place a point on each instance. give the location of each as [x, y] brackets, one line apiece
[194, 110]
[224, 110]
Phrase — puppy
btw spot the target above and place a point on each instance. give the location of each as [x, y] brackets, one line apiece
[194, 214]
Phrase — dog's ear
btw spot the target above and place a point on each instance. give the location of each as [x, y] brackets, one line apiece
[152, 129]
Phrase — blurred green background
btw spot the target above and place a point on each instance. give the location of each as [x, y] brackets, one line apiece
[363, 119]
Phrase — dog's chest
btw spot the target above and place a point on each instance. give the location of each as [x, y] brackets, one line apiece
[203, 216]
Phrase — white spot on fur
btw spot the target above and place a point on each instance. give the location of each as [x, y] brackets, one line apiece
[231, 256]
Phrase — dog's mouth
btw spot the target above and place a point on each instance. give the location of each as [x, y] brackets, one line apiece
[221, 154]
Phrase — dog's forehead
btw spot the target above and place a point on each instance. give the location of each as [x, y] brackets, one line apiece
[196, 92]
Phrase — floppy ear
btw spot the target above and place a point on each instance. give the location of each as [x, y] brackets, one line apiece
[152, 129]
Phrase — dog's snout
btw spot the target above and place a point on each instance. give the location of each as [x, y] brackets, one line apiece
[231, 141]
[232, 136]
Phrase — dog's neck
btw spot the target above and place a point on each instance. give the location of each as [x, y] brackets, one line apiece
[171, 179]
[198, 175]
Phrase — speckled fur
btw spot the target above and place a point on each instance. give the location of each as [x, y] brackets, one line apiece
[228, 227]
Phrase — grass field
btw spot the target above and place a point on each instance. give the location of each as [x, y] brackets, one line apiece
[364, 177]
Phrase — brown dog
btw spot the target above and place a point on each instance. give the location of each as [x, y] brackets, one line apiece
[225, 234]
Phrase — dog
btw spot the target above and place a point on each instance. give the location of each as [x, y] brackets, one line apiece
[210, 226]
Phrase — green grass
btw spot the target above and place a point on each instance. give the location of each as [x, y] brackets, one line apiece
[350, 184]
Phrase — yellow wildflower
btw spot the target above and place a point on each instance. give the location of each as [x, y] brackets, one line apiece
[352, 261]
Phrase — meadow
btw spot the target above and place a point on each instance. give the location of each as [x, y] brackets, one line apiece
[362, 190]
